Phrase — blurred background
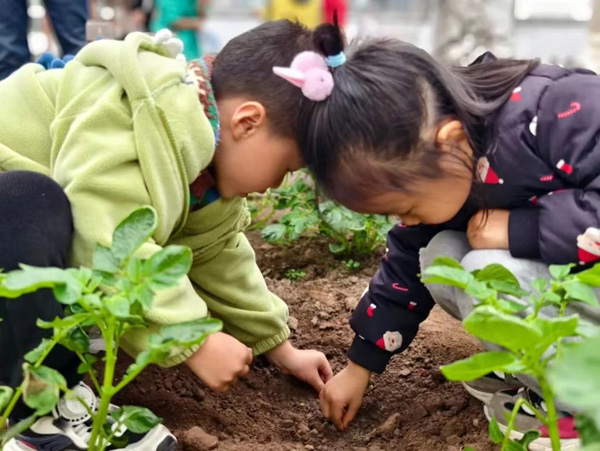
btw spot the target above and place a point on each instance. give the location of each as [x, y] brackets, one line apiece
[565, 32]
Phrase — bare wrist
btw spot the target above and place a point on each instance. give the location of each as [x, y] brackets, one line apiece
[278, 353]
[360, 371]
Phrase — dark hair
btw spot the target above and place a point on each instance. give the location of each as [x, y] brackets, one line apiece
[244, 67]
[386, 97]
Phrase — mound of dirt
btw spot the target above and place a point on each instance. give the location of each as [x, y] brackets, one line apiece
[410, 407]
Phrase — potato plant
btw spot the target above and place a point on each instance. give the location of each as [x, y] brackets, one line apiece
[560, 352]
[113, 297]
[303, 214]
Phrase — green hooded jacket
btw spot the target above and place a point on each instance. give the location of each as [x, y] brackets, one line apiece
[118, 129]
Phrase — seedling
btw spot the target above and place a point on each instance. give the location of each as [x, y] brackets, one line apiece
[533, 344]
[114, 297]
[295, 274]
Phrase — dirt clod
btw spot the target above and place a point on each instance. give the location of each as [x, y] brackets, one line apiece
[453, 440]
[387, 428]
[293, 322]
[196, 439]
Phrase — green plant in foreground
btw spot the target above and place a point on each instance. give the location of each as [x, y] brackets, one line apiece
[351, 234]
[351, 265]
[112, 297]
[509, 316]
[295, 274]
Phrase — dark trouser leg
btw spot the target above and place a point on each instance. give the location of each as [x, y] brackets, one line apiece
[68, 20]
[13, 36]
[35, 229]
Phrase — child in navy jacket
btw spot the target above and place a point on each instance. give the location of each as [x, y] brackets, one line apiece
[503, 155]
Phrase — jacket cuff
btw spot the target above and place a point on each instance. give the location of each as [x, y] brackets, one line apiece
[272, 342]
[368, 355]
[523, 233]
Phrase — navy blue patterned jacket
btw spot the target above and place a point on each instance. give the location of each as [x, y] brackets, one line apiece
[544, 168]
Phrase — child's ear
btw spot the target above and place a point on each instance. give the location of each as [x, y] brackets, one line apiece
[247, 119]
[450, 133]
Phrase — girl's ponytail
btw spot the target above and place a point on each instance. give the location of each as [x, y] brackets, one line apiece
[328, 39]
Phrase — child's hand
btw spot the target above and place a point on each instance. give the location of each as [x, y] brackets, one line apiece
[220, 361]
[490, 232]
[342, 396]
[307, 365]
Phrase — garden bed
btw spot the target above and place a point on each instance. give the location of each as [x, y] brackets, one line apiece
[411, 407]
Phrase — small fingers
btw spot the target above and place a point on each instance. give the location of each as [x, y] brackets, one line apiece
[350, 414]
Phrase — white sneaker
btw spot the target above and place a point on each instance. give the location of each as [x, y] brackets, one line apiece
[69, 428]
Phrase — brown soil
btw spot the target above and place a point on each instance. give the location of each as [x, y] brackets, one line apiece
[410, 407]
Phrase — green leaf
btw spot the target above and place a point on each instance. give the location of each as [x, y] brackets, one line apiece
[447, 261]
[559, 272]
[169, 265]
[469, 448]
[117, 306]
[514, 446]
[590, 276]
[496, 434]
[185, 334]
[41, 388]
[33, 355]
[6, 394]
[138, 420]
[589, 433]
[274, 233]
[76, 341]
[144, 295]
[86, 367]
[479, 290]
[499, 273]
[477, 366]
[539, 285]
[30, 279]
[578, 291]
[508, 288]
[509, 331]
[511, 307]
[337, 248]
[59, 324]
[529, 437]
[447, 276]
[17, 429]
[133, 231]
[135, 269]
[104, 260]
[575, 377]
[553, 329]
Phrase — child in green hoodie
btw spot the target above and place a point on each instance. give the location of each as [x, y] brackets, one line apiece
[127, 124]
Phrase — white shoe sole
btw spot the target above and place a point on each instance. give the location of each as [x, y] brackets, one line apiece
[541, 444]
[154, 438]
[482, 396]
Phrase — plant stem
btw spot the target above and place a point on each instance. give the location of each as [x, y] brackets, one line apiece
[97, 443]
[511, 422]
[11, 406]
[91, 372]
[552, 418]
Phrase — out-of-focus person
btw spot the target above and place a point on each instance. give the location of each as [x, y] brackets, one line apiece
[339, 7]
[68, 19]
[307, 12]
[183, 17]
[142, 13]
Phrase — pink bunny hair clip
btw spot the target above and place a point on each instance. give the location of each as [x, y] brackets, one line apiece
[309, 71]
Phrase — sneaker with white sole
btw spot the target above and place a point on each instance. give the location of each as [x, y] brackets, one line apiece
[69, 428]
[487, 386]
[501, 407]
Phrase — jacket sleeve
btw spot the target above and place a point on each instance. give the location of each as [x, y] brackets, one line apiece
[387, 317]
[568, 135]
[227, 278]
